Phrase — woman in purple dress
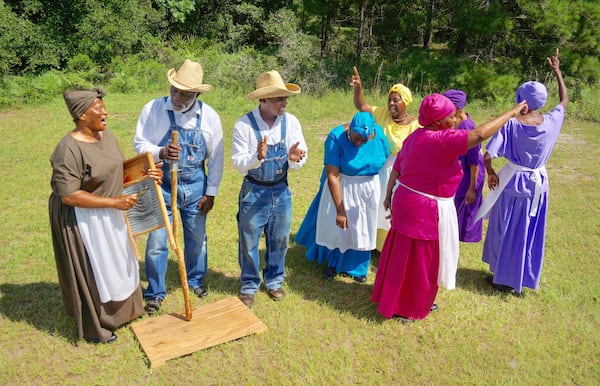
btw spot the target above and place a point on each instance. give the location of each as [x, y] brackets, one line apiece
[514, 243]
[469, 195]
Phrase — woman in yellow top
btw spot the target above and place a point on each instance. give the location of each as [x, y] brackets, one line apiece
[397, 124]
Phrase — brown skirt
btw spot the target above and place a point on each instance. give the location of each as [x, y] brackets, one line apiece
[95, 320]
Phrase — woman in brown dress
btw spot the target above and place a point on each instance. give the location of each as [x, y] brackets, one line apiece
[97, 269]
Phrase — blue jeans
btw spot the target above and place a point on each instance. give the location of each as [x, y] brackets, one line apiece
[265, 209]
[194, 236]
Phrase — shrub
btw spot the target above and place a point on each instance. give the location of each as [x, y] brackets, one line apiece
[134, 74]
[84, 68]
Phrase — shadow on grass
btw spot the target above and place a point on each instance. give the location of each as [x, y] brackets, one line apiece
[215, 281]
[473, 280]
[306, 278]
[39, 304]
[343, 294]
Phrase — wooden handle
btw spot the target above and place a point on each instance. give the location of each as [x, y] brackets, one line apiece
[175, 245]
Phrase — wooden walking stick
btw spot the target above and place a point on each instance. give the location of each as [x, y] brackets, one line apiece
[173, 235]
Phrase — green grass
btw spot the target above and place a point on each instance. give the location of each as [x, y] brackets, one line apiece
[323, 332]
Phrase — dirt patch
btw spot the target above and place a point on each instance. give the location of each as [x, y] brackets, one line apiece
[570, 139]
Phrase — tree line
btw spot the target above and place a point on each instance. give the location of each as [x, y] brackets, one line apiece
[483, 46]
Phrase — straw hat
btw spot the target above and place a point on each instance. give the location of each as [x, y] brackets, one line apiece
[188, 77]
[270, 85]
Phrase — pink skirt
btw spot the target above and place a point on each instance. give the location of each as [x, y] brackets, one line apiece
[406, 280]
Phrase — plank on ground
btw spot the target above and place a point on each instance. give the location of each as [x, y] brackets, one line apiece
[171, 336]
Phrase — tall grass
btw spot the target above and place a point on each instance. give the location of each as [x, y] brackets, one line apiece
[323, 332]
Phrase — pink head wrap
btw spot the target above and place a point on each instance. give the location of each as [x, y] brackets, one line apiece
[435, 107]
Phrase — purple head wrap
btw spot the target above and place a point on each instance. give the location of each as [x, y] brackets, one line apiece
[433, 108]
[534, 93]
[363, 124]
[457, 97]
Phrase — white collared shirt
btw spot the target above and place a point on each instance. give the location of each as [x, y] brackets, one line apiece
[245, 145]
[153, 124]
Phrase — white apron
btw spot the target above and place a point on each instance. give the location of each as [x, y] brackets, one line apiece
[106, 241]
[360, 195]
[448, 239]
[384, 175]
[505, 175]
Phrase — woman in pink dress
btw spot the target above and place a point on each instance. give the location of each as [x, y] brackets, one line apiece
[421, 249]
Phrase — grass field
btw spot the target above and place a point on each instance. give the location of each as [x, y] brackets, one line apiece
[324, 332]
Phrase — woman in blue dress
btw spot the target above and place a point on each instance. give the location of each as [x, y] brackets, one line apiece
[340, 227]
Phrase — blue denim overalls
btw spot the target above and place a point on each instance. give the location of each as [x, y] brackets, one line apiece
[265, 205]
[190, 189]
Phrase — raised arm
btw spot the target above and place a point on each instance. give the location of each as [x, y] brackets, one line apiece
[554, 64]
[359, 99]
[489, 128]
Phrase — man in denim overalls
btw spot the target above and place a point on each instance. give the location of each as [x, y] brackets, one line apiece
[199, 154]
[266, 143]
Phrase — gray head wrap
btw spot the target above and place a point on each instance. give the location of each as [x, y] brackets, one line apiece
[78, 101]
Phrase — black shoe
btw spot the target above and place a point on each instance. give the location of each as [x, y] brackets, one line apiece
[499, 287]
[329, 273]
[112, 339]
[434, 307]
[276, 294]
[247, 299]
[200, 291]
[358, 279]
[152, 306]
[402, 319]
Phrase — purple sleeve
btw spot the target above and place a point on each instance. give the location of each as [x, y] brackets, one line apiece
[557, 116]
[496, 146]
[473, 155]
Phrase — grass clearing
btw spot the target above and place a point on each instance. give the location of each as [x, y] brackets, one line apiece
[323, 332]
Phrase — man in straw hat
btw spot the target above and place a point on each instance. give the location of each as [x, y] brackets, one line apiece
[266, 143]
[199, 155]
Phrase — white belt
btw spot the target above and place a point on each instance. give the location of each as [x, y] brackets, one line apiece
[505, 175]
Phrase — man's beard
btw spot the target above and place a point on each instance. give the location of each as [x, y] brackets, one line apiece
[185, 107]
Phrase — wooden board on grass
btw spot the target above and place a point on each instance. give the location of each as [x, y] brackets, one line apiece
[170, 336]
